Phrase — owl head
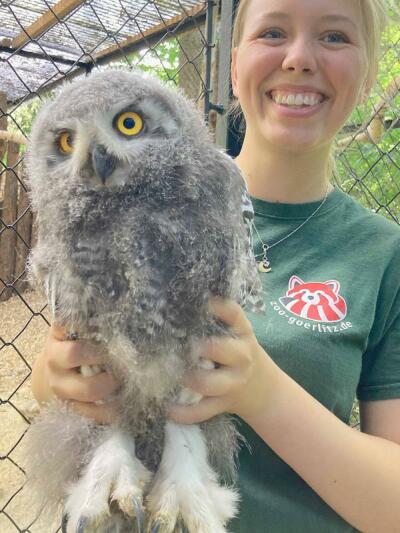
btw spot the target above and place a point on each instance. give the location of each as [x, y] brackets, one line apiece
[111, 130]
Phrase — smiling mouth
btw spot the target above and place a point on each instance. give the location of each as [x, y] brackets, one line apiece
[296, 101]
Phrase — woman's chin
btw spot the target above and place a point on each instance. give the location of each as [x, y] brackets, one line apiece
[294, 139]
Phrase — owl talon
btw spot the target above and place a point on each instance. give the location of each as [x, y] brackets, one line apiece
[180, 528]
[137, 504]
[155, 528]
[64, 523]
[82, 523]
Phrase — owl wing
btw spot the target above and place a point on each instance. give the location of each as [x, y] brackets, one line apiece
[250, 291]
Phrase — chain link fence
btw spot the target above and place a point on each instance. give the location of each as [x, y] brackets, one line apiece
[368, 149]
[42, 44]
[45, 42]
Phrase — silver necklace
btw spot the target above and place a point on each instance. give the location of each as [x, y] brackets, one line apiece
[265, 265]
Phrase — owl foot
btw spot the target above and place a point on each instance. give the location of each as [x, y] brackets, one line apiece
[156, 528]
[139, 515]
[194, 507]
[64, 523]
[113, 481]
[185, 489]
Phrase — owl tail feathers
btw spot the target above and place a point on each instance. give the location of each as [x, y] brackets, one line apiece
[55, 449]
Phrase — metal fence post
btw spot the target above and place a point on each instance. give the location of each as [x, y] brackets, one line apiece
[208, 58]
[224, 75]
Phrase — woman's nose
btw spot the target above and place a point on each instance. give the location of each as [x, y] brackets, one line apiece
[300, 56]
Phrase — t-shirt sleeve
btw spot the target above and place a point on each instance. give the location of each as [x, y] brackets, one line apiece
[380, 374]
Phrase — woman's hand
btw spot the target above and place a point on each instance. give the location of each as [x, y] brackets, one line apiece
[244, 380]
[56, 374]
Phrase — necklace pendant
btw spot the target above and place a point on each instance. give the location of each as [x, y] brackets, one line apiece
[263, 266]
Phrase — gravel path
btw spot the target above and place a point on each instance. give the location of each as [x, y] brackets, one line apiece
[23, 325]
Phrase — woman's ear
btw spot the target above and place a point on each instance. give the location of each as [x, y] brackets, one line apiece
[234, 72]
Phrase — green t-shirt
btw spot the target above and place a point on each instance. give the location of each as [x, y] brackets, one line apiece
[333, 325]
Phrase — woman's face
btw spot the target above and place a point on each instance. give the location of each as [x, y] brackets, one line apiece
[299, 69]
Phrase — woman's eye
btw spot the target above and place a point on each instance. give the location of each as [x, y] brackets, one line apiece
[273, 34]
[335, 37]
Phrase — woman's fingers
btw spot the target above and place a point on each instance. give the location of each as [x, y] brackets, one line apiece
[73, 386]
[68, 354]
[225, 351]
[102, 414]
[62, 334]
[232, 314]
[215, 382]
[57, 371]
[72, 354]
[193, 414]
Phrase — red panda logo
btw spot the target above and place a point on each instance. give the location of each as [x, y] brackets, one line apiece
[315, 301]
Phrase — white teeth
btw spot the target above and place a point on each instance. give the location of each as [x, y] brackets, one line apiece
[292, 99]
[300, 100]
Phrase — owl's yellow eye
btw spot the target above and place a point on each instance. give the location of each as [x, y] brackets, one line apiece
[66, 142]
[129, 123]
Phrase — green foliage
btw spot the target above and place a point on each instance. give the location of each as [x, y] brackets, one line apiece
[161, 60]
[371, 172]
[22, 117]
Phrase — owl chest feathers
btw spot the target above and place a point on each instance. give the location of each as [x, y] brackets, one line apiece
[149, 269]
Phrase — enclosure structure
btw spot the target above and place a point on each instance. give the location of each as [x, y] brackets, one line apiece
[43, 43]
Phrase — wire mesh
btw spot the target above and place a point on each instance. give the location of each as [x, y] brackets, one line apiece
[368, 149]
[43, 43]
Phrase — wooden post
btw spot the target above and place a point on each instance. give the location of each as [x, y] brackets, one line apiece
[3, 126]
[224, 76]
[212, 114]
[3, 147]
[24, 231]
[191, 60]
[9, 216]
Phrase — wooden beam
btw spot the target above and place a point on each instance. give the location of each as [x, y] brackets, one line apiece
[11, 136]
[24, 232]
[9, 216]
[148, 38]
[45, 22]
[3, 126]
[168, 25]
[376, 124]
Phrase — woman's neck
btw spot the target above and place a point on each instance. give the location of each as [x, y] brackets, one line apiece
[284, 176]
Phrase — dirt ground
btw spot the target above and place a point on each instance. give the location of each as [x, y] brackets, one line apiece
[23, 325]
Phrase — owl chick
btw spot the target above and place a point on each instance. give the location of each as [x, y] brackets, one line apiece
[140, 220]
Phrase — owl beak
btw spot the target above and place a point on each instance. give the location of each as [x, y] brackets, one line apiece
[103, 162]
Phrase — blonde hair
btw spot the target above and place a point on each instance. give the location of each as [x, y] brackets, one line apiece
[375, 19]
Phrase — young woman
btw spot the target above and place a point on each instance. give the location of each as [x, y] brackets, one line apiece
[331, 274]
